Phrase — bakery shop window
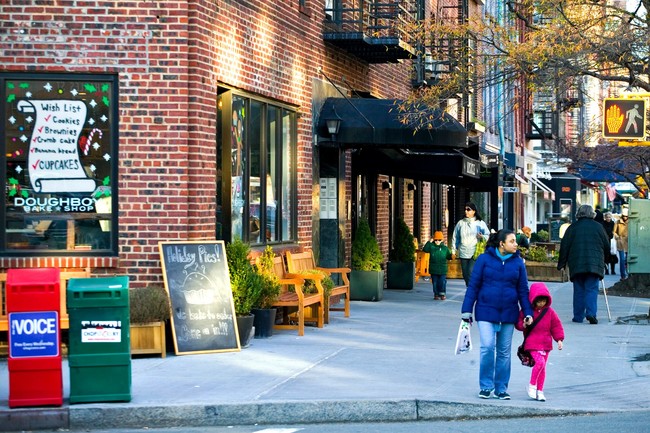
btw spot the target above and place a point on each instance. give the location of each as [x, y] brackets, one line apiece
[60, 159]
[256, 174]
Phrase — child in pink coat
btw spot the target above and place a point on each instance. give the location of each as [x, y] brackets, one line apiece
[540, 340]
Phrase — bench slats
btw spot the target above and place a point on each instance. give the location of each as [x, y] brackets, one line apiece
[296, 299]
[64, 321]
[297, 262]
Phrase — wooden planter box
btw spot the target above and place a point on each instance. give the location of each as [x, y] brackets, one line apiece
[545, 271]
[454, 270]
[148, 339]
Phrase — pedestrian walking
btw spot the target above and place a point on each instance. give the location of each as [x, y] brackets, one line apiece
[539, 337]
[438, 256]
[467, 234]
[497, 290]
[523, 237]
[620, 234]
[583, 249]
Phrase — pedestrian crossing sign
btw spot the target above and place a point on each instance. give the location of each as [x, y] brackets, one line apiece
[624, 118]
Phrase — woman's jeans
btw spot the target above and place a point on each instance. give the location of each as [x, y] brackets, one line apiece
[585, 296]
[496, 344]
[622, 259]
[467, 265]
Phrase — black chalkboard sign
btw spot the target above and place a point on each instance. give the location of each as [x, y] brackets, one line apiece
[197, 280]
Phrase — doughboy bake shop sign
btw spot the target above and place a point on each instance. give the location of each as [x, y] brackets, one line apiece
[58, 143]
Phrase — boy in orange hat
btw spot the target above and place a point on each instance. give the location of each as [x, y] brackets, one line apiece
[438, 256]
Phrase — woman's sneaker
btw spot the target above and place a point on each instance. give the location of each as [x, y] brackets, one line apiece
[484, 393]
[532, 391]
[540, 396]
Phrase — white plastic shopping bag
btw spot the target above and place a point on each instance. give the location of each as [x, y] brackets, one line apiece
[464, 339]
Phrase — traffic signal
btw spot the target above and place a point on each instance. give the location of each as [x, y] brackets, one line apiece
[624, 118]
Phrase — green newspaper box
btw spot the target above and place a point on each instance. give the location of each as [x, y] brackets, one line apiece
[99, 353]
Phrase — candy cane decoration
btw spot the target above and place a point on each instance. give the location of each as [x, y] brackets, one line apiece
[86, 146]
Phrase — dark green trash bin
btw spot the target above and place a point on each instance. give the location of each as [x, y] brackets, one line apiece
[99, 354]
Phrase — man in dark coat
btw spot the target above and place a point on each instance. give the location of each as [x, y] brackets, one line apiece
[583, 249]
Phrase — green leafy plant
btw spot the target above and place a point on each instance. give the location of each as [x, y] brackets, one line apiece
[404, 247]
[536, 254]
[148, 304]
[366, 255]
[269, 280]
[245, 282]
[542, 236]
[310, 286]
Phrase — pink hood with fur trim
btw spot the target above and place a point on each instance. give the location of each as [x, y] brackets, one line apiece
[546, 330]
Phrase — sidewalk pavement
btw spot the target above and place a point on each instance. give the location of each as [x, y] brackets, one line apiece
[390, 361]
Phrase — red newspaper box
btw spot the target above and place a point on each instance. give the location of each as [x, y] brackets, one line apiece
[33, 307]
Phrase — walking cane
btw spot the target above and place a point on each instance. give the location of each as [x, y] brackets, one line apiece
[609, 315]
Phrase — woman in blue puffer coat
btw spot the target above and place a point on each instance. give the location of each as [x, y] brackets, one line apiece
[497, 289]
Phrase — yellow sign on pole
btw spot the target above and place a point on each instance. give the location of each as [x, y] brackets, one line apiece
[624, 143]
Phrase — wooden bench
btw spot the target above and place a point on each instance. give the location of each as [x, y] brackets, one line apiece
[298, 262]
[310, 307]
[66, 274]
[421, 265]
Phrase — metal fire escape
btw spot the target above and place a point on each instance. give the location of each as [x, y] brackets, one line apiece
[439, 56]
[374, 31]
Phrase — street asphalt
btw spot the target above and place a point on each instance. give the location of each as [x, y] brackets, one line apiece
[392, 360]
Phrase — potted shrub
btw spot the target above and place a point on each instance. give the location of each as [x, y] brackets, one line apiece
[401, 267]
[367, 276]
[246, 287]
[541, 265]
[269, 291]
[149, 308]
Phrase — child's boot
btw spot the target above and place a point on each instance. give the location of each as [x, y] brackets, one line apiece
[532, 391]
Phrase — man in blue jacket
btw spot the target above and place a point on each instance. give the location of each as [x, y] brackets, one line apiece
[583, 248]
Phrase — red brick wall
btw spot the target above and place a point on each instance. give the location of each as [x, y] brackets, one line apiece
[170, 58]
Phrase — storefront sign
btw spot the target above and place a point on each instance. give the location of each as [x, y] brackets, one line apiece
[471, 167]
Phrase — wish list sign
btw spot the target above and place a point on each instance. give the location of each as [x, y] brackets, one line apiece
[34, 334]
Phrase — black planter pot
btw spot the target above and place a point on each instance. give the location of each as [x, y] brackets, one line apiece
[400, 275]
[245, 329]
[264, 321]
[366, 285]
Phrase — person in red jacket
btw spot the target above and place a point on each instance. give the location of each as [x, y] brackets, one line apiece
[540, 339]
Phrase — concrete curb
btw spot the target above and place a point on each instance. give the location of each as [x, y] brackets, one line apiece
[297, 412]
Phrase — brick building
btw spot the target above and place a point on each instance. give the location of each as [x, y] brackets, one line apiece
[178, 120]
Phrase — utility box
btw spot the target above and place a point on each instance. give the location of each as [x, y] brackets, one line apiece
[99, 354]
[638, 240]
[34, 363]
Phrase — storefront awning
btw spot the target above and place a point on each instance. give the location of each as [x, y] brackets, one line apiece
[377, 123]
[594, 174]
[543, 188]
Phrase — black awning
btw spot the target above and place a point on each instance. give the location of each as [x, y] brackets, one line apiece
[438, 167]
[376, 123]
